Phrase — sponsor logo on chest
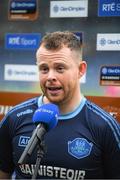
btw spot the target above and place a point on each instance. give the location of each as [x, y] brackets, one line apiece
[23, 141]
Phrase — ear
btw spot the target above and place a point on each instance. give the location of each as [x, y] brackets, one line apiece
[82, 68]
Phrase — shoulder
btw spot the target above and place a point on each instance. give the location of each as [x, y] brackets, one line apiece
[30, 103]
[101, 121]
[21, 110]
[98, 114]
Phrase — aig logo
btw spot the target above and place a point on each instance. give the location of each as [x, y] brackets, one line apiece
[23, 141]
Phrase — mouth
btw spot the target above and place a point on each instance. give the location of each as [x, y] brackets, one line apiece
[54, 90]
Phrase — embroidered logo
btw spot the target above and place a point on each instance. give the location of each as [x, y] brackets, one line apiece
[79, 148]
[23, 141]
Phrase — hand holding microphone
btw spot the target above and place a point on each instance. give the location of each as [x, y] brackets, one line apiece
[46, 118]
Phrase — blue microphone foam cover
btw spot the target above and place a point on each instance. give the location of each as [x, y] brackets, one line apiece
[48, 114]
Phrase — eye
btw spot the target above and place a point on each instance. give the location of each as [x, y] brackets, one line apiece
[43, 69]
[60, 69]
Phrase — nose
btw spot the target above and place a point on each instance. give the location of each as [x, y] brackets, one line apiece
[51, 75]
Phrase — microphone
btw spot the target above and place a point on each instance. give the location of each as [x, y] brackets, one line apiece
[45, 118]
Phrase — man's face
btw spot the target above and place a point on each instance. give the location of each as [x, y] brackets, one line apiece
[58, 74]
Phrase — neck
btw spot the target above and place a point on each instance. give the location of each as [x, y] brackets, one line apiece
[69, 106]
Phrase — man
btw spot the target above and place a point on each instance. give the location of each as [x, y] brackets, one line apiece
[86, 141]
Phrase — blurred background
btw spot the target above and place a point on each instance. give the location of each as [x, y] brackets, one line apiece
[24, 22]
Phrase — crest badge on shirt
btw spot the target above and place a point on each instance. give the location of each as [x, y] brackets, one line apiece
[79, 148]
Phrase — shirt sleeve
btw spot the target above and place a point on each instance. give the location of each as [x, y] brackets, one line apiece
[6, 162]
[111, 151]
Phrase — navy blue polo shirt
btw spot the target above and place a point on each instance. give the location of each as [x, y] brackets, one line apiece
[85, 144]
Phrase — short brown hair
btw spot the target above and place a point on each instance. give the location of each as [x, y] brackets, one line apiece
[56, 40]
